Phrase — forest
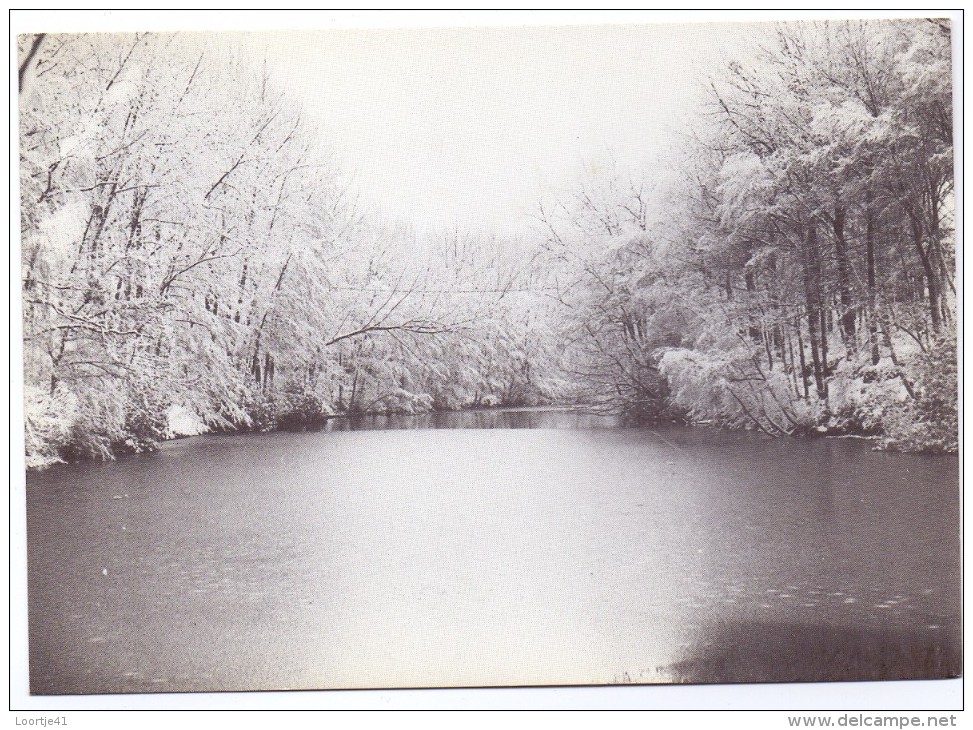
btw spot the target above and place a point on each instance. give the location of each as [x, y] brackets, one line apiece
[194, 259]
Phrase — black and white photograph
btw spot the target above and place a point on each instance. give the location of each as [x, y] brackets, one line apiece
[487, 355]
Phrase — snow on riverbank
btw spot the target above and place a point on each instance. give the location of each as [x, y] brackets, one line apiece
[183, 422]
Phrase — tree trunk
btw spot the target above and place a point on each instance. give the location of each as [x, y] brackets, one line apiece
[815, 315]
[931, 271]
[847, 318]
[871, 277]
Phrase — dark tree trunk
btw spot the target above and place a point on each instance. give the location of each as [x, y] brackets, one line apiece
[844, 278]
[815, 314]
[871, 277]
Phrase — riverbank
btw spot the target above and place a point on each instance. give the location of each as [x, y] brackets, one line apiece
[182, 423]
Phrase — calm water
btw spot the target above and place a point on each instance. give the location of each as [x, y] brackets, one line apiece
[491, 549]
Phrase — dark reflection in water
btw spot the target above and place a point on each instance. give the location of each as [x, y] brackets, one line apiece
[760, 651]
[479, 418]
[510, 548]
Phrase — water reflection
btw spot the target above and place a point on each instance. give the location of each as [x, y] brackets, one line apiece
[491, 418]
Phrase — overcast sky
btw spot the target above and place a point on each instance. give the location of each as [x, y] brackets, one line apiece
[473, 126]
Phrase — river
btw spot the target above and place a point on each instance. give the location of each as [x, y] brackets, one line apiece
[491, 548]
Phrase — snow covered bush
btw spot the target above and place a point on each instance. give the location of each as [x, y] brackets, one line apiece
[928, 422]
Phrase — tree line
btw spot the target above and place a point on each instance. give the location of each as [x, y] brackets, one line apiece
[796, 273]
[190, 250]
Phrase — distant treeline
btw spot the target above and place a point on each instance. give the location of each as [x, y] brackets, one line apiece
[190, 247]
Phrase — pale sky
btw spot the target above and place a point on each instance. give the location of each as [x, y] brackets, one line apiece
[474, 126]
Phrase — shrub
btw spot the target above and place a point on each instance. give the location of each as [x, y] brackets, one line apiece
[928, 422]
